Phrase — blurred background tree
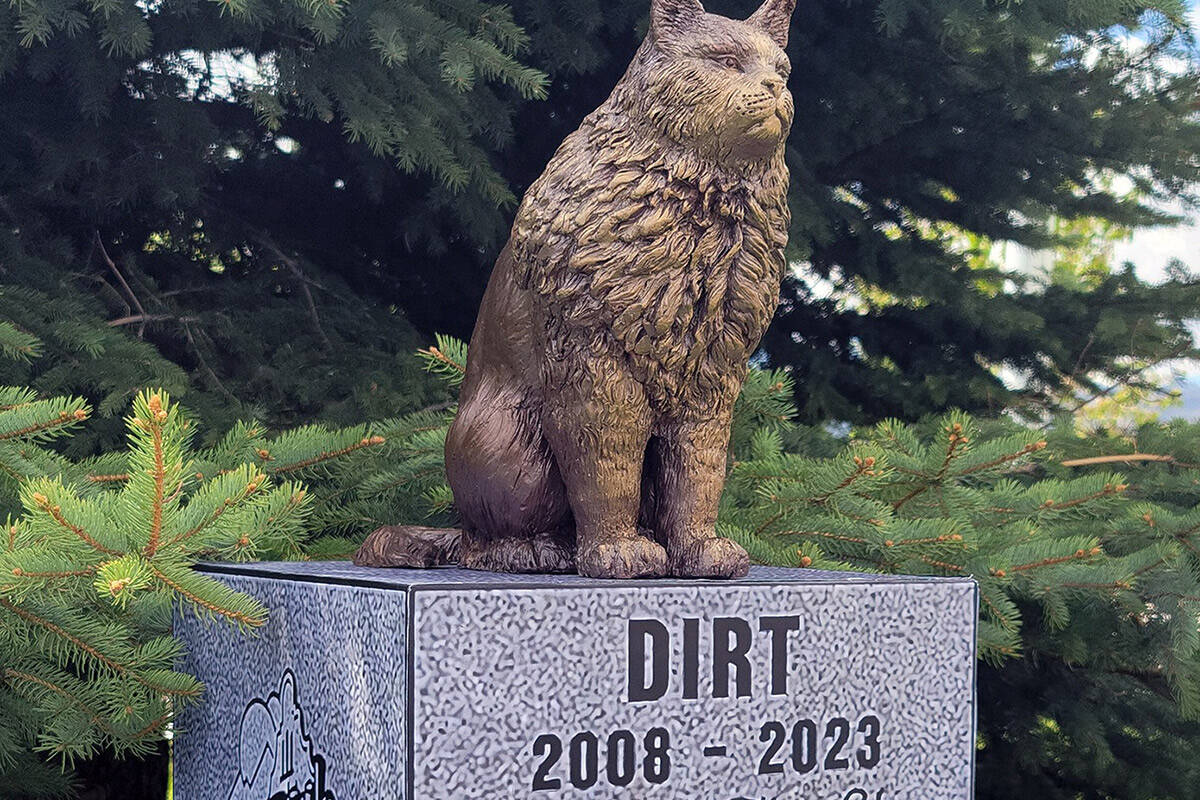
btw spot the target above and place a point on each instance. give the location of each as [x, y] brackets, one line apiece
[330, 176]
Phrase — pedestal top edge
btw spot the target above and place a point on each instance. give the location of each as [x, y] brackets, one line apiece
[450, 578]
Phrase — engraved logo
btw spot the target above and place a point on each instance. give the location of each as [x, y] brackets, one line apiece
[276, 757]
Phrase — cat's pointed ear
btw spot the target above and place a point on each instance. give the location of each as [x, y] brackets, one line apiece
[775, 17]
[669, 16]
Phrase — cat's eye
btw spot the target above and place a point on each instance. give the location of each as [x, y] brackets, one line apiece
[730, 61]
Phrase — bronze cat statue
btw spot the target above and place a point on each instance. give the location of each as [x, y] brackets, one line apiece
[613, 338]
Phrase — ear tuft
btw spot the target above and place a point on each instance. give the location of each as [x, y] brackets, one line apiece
[775, 17]
[670, 16]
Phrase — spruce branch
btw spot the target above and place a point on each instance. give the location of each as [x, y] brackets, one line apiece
[77, 642]
[141, 319]
[17, 677]
[82, 571]
[204, 365]
[942, 564]
[1106, 587]
[837, 537]
[176, 583]
[54, 511]
[18, 572]
[98, 243]
[912, 495]
[954, 440]
[119, 477]
[447, 359]
[35, 421]
[227, 492]
[39, 427]
[1127, 458]
[1129, 378]
[18, 344]
[941, 539]
[1079, 554]
[862, 466]
[301, 280]
[1109, 490]
[153, 423]
[366, 441]
[1027, 450]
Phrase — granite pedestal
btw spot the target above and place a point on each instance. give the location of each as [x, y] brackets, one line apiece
[446, 684]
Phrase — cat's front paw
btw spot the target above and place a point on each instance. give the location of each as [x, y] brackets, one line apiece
[710, 557]
[626, 557]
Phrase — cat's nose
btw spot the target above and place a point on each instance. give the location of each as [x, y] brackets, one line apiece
[774, 83]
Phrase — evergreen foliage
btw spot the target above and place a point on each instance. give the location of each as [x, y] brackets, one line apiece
[1096, 713]
[245, 203]
[93, 560]
[1070, 546]
[358, 477]
[361, 477]
[237, 353]
[1088, 578]
[196, 170]
[420, 84]
[947, 504]
[1004, 124]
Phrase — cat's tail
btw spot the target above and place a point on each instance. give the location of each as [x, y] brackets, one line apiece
[410, 546]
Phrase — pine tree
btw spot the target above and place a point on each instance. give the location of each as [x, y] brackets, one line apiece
[1088, 578]
[94, 555]
[328, 172]
[89, 580]
[62, 346]
[236, 353]
[158, 175]
[930, 120]
[423, 85]
[364, 476]
[1097, 711]
[951, 497]
[921, 126]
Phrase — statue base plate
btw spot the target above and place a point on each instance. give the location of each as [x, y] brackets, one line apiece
[447, 684]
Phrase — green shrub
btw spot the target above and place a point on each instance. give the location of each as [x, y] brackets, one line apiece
[1089, 578]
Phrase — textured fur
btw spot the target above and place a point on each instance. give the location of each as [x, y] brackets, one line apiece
[642, 269]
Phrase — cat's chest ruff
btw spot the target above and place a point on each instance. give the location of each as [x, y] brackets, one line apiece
[635, 204]
[669, 262]
[667, 248]
[642, 228]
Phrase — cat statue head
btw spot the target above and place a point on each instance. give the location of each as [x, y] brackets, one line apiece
[713, 84]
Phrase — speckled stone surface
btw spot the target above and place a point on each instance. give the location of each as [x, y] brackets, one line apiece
[345, 648]
[446, 684]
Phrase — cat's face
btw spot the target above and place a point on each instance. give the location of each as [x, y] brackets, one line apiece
[717, 83]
